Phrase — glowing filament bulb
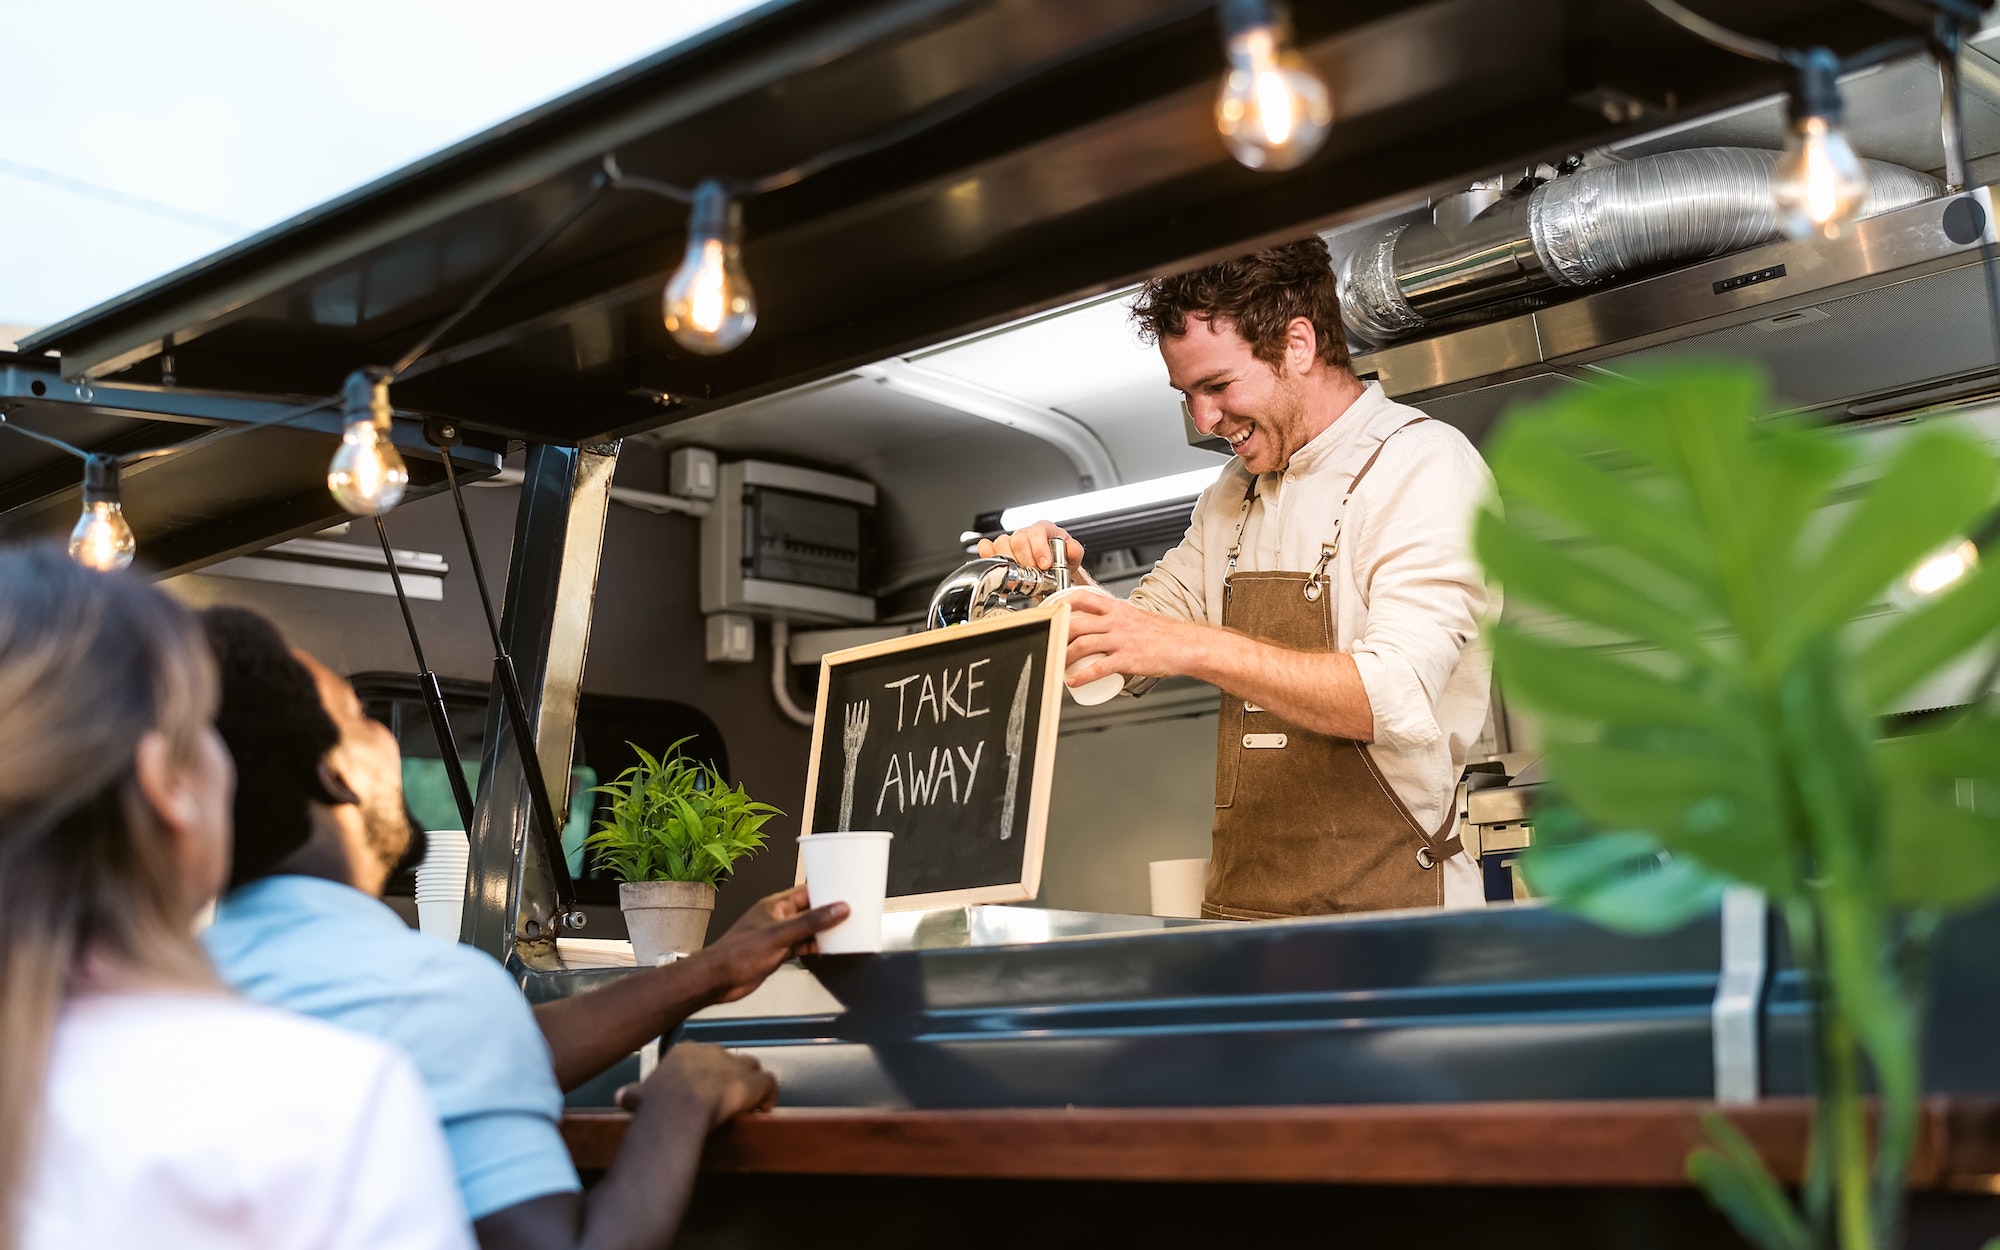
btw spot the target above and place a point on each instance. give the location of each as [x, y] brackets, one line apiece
[707, 301]
[1936, 573]
[1819, 184]
[708, 306]
[368, 475]
[102, 539]
[1273, 112]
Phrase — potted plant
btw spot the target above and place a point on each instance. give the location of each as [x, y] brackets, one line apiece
[1722, 656]
[674, 828]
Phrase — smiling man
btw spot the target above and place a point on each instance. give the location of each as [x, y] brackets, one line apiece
[1326, 584]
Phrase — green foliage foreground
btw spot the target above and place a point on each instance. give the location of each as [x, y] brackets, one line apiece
[1713, 688]
[675, 819]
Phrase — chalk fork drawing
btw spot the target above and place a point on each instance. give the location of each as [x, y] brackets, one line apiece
[853, 732]
[1017, 727]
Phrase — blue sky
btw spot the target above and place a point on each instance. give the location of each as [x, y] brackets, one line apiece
[228, 115]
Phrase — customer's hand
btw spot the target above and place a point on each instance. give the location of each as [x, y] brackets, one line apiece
[704, 1080]
[776, 929]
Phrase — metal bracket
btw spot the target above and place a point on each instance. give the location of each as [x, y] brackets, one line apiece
[1737, 1016]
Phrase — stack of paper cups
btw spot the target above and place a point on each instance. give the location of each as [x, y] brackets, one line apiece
[441, 884]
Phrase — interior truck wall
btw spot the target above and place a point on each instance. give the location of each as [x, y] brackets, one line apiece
[1124, 796]
[646, 639]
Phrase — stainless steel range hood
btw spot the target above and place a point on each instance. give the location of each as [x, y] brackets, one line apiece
[1890, 317]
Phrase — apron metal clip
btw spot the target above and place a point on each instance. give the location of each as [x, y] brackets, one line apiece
[1318, 579]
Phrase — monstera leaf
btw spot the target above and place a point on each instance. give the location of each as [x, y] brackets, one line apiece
[1690, 587]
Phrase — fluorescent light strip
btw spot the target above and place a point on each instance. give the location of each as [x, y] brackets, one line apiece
[1112, 499]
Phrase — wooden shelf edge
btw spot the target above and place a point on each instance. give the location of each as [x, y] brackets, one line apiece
[1641, 1143]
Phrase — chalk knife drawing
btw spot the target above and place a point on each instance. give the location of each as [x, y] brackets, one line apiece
[853, 732]
[1017, 727]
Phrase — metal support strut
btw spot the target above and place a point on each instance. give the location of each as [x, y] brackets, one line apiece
[514, 909]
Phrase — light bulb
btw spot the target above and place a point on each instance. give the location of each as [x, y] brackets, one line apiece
[1935, 574]
[102, 539]
[368, 475]
[1273, 112]
[1819, 184]
[708, 305]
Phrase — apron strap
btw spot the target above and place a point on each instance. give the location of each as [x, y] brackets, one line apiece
[1440, 846]
[1356, 483]
[1327, 550]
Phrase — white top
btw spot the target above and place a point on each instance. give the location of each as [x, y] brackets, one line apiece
[1408, 594]
[201, 1121]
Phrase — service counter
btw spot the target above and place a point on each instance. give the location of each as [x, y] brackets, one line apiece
[1503, 1066]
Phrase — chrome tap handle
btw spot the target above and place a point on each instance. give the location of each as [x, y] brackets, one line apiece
[1060, 550]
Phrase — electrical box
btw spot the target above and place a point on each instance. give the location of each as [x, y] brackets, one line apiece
[691, 473]
[732, 639]
[787, 542]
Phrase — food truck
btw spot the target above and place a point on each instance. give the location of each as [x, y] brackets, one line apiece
[943, 207]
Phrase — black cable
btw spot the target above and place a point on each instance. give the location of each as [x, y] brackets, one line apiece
[541, 809]
[433, 693]
[472, 550]
[1721, 36]
[652, 186]
[40, 437]
[1715, 33]
[597, 184]
[229, 431]
[949, 109]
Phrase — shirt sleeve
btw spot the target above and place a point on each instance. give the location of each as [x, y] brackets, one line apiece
[489, 1070]
[396, 1190]
[1178, 585]
[1423, 588]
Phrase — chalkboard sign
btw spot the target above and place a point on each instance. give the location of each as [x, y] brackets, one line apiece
[947, 739]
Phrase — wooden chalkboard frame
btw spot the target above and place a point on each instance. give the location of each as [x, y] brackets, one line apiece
[1054, 617]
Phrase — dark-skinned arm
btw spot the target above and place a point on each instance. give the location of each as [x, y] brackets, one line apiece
[589, 1032]
[644, 1195]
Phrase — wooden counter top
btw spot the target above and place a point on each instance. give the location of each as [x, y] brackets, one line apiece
[1508, 1144]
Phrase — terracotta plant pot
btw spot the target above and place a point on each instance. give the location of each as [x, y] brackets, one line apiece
[665, 916]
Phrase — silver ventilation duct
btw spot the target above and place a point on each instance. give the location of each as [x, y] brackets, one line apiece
[1578, 230]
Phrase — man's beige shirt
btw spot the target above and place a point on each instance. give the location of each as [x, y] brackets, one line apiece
[1408, 594]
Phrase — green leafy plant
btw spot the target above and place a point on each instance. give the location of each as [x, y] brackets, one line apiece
[673, 818]
[1697, 610]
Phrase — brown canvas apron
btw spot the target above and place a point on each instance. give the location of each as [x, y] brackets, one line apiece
[1305, 824]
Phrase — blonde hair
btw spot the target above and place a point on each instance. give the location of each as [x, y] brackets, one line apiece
[90, 663]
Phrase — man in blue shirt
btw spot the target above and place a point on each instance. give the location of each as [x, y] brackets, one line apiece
[320, 825]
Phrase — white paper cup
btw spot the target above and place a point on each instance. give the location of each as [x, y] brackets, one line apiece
[850, 868]
[1178, 885]
[440, 917]
[1105, 688]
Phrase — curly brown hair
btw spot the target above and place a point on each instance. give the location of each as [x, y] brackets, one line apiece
[1257, 295]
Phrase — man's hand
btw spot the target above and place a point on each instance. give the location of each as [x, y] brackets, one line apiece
[1116, 637]
[720, 1083]
[1030, 548]
[778, 928]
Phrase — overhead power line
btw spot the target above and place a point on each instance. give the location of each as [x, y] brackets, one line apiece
[123, 199]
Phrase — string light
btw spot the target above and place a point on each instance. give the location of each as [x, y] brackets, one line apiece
[1820, 183]
[1273, 112]
[1936, 573]
[368, 475]
[102, 539]
[708, 305]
